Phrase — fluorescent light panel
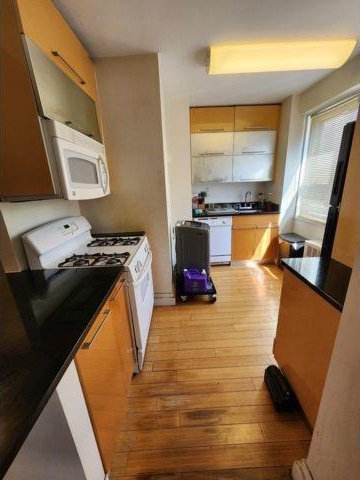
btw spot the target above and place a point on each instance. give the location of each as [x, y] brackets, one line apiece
[279, 56]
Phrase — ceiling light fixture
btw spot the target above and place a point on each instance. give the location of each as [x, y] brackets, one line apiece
[278, 56]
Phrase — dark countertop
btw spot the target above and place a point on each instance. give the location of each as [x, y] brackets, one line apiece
[235, 214]
[328, 278]
[45, 316]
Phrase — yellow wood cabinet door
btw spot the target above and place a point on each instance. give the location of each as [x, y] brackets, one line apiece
[104, 368]
[118, 305]
[263, 220]
[266, 244]
[304, 341]
[243, 243]
[23, 174]
[211, 119]
[45, 25]
[257, 117]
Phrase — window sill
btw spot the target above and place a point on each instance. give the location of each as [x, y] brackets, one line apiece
[320, 223]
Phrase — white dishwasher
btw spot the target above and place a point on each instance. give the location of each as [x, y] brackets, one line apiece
[220, 238]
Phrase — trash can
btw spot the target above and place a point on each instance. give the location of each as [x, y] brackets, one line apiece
[291, 245]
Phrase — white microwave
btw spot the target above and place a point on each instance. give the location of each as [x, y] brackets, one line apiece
[77, 162]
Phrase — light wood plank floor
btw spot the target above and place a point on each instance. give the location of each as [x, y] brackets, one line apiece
[200, 410]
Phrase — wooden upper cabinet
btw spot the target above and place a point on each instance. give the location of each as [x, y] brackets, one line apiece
[257, 117]
[24, 169]
[211, 119]
[44, 24]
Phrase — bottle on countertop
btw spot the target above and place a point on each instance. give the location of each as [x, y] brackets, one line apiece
[261, 200]
[269, 204]
[201, 200]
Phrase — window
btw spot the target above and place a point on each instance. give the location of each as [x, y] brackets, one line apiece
[322, 144]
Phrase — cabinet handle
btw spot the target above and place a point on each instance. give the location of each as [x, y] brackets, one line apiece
[212, 129]
[256, 128]
[211, 154]
[88, 345]
[116, 296]
[58, 54]
[253, 152]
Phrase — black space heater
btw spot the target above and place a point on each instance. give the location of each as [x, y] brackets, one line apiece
[280, 391]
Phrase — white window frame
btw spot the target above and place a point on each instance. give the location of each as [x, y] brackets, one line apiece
[306, 139]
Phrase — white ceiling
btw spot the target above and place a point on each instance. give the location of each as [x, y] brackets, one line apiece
[182, 29]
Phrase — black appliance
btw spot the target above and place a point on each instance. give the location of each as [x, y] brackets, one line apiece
[337, 190]
[192, 246]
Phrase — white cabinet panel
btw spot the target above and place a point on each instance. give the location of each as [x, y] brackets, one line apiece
[253, 168]
[261, 142]
[212, 169]
[212, 143]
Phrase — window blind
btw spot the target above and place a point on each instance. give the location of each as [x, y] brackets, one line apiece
[320, 158]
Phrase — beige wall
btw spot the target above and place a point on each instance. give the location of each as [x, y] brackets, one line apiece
[341, 82]
[20, 217]
[177, 127]
[287, 168]
[130, 110]
[335, 86]
[177, 146]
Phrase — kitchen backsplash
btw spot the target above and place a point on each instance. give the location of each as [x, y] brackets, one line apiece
[19, 217]
[228, 192]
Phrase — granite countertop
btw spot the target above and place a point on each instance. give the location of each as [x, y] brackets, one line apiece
[45, 317]
[328, 278]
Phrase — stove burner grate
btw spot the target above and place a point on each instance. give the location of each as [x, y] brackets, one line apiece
[95, 260]
[112, 241]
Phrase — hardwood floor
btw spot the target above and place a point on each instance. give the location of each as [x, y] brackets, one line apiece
[200, 410]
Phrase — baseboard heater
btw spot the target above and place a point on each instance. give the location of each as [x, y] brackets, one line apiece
[280, 390]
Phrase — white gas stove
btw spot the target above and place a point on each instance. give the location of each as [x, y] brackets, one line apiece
[68, 243]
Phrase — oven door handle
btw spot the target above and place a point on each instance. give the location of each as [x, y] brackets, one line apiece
[144, 270]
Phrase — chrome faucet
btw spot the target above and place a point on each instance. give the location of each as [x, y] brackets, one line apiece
[246, 195]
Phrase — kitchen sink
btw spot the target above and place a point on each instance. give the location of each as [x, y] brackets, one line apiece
[247, 210]
[230, 211]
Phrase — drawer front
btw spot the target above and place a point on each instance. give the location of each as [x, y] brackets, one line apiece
[262, 221]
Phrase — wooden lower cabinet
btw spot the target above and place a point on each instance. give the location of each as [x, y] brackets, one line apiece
[243, 243]
[105, 365]
[266, 243]
[304, 341]
[255, 237]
